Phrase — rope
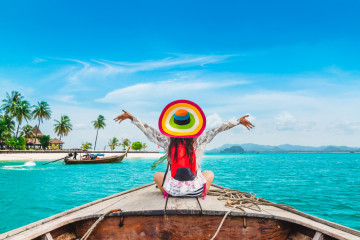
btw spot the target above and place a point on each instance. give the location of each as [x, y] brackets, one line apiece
[222, 221]
[240, 200]
[89, 231]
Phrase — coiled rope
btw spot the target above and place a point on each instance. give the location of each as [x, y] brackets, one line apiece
[240, 200]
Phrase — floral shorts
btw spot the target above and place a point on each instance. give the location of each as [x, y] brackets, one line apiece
[191, 188]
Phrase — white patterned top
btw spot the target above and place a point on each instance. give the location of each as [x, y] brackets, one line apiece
[200, 143]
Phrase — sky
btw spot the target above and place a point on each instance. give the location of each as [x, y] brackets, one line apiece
[292, 65]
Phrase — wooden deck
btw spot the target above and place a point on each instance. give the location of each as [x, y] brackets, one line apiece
[147, 200]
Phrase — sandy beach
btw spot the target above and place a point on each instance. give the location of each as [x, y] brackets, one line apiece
[53, 156]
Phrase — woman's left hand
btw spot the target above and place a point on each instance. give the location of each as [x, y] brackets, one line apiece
[246, 122]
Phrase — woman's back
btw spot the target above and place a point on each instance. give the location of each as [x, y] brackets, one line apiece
[180, 161]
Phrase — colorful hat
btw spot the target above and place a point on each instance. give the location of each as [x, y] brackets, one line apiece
[182, 118]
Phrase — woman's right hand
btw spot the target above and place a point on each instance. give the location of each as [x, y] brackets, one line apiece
[124, 116]
[246, 122]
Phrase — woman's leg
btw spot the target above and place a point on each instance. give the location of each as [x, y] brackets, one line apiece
[209, 176]
[158, 178]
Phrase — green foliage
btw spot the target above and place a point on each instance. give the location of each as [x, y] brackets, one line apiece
[6, 128]
[11, 142]
[63, 127]
[113, 143]
[10, 102]
[54, 147]
[136, 146]
[42, 111]
[14, 106]
[6, 124]
[27, 131]
[4, 136]
[125, 143]
[18, 143]
[86, 146]
[44, 141]
[99, 123]
[22, 111]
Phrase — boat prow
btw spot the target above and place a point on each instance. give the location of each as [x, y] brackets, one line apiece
[146, 214]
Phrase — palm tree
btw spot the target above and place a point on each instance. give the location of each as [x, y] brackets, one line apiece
[5, 135]
[10, 102]
[125, 143]
[7, 124]
[22, 111]
[62, 127]
[113, 143]
[42, 111]
[86, 146]
[27, 131]
[99, 123]
[144, 146]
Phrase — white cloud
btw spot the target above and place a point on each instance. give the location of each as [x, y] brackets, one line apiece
[308, 110]
[213, 120]
[104, 68]
[185, 60]
[38, 60]
[285, 121]
[250, 117]
[9, 85]
[175, 89]
[65, 98]
[345, 127]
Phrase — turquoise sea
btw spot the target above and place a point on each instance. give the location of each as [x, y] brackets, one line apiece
[324, 185]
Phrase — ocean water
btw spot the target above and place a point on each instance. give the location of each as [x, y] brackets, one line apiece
[324, 185]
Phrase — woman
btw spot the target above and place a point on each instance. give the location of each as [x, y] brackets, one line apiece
[181, 125]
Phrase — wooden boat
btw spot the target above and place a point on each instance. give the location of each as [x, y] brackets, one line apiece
[112, 159]
[146, 214]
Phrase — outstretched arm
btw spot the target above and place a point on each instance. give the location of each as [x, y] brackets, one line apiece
[209, 135]
[151, 133]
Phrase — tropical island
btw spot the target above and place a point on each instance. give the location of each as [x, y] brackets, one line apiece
[285, 148]
[17, 134]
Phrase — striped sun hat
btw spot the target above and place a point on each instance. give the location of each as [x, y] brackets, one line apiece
[182, 118]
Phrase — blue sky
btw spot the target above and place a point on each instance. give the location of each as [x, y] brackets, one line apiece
[293, 65]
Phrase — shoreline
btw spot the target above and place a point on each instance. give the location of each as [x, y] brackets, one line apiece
[54, 156]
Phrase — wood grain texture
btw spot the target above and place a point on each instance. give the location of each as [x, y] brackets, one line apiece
[183, 205]
[185, 227]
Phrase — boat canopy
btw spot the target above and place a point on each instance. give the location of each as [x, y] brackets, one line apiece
[96, 155]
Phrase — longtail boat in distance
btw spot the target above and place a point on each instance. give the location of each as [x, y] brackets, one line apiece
[96, 158]
[144, 213]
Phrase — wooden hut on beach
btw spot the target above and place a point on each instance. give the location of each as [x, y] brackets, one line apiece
[35, 143]
[36, 132]
[56, 142]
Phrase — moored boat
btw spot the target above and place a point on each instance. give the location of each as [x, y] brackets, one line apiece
[96, 158]
[143, 213]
